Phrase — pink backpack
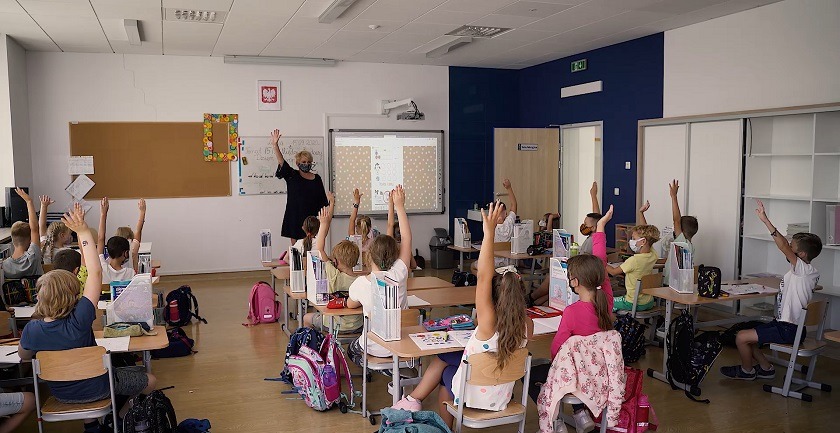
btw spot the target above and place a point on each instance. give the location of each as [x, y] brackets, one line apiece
[317, 376]
[263, 306]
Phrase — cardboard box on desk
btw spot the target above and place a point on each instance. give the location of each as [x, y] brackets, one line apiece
[134, 303]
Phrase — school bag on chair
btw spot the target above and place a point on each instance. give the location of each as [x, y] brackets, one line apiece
[708, 281]
[151, 413]
[632, 337]
[180, 304]
[263, 306]
[317, 376]
[690, 356]
[302, 337]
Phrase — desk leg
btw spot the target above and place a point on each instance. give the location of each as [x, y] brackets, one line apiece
[461, 261]
[395, 376]
[147, 360]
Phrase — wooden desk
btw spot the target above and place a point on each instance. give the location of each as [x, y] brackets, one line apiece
[425, 283]
[671, 296]
[300, 299]
[461, 252]
[833, 336]
[155, 264]
[145, 344]
[5, 235]
[445, 297]
[506, 254]
[276, 263]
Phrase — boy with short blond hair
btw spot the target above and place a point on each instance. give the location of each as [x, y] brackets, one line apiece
[339, 271]
[685, 227]
[26, 237]
[634, 268]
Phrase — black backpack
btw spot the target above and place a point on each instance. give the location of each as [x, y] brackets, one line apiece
[708, 281]
[690, 356]
[19, 292]
[632, 338]
[179, 345]
[186, 302]
[151, 413]
[461, 279]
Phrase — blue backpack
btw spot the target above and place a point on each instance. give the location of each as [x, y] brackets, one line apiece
[301, 337]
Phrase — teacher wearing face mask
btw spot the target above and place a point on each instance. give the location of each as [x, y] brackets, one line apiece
[306, 195]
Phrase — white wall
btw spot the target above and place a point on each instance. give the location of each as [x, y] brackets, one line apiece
[782, 54]
[214, 234]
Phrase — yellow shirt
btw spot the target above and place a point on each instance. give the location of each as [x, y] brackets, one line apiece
[340, 282]
[634, 269]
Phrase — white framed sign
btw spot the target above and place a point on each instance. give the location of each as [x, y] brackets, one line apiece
[268, 95]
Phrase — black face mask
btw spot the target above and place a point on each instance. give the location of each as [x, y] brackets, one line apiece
[573, 287]
[306, 168]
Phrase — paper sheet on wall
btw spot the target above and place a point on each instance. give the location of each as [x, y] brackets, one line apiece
[86, 206]
[80, 165]
[80, 187]
[118, 344]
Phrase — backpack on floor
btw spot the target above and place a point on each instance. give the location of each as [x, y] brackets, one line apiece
[708, 281]
[181, 306]
[179, 345]
[632, 338]
[463, 278]
[690, 356]
[192, 425]
[263, 306]
[151, 413]
[302, 337]
[317, 376]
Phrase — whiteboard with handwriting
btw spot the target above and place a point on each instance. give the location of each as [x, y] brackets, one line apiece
[257, 163]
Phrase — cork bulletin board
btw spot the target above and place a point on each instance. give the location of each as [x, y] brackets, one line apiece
[150, 159]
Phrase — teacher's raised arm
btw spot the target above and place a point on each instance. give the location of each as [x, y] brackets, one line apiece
[275, 140]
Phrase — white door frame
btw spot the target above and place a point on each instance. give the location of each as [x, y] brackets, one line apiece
[598, 123]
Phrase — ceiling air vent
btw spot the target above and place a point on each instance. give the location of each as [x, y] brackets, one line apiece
[194, 16]
[478, 31]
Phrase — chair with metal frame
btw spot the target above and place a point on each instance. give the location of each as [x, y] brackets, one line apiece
[649, 281]
[71, 365]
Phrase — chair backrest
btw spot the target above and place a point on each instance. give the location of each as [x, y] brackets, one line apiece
[816, 313]
[5, 323]
[73, 364]
[282, 272]
[696, 273]
[501, 246]
[410, 317]
[47, 267]
[650, 281]
[484, 369]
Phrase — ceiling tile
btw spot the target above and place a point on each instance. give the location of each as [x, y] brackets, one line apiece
[402, 42]
[379, 57]
[251, 25]
[486, 6]
[53, 8]
[211, 5]
[332, 52]
[525, 35]
[532, 9]
[680, 6]
[82, 34]
[505, 21]
[11, 7]
[705, 14]
[439, 16]
[399, 10]
[363, 25]
[575, 17]
[190, 39]
[135, 9]
[23, 29]
[312, 9]
[419, 28]
[296, 40]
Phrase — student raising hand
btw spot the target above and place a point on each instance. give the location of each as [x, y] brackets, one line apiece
[75, 220]
[604, 220]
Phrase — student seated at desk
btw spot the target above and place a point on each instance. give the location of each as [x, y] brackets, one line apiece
[386, 259]
[133, 238]
[638, 265]
[590, 221]
[685, 227]
[361, 224]
[503, 229]
[339, 270]
[66, 322]
[69, 260]
[310, 229]
[56, 236]
[394, 230]
[25, 260]
[795, 293]
[503, 327]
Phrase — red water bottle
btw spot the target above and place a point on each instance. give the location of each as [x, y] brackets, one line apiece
[174, 316]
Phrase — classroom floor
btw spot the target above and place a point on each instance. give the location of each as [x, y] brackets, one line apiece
[224, 381]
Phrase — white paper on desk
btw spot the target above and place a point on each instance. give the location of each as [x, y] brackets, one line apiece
[116, 344]
[415, 301]
[546, 325]
[80, 165]
[7, 356]
[24, 312]
[425, 341]
[743, 289]
[80, 187]
[462, 337]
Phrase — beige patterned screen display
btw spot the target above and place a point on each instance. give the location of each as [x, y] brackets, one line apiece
[376, 161]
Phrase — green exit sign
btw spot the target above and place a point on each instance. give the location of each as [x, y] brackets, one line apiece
[579, 65]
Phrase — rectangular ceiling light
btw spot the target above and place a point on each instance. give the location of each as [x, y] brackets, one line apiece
[132, 32]
[479, 31]
[194, 16]
[334, 10]
[285, 61]
[448, 46]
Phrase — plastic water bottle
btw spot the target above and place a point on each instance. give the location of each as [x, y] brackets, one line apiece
[574, 250]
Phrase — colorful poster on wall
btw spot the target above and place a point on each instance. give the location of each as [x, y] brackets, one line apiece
[222, 153]
[268, 95]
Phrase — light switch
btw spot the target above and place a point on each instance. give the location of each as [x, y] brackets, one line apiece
[615, 191]
[627, 165]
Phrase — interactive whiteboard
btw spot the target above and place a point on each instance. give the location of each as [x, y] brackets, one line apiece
[377, 161]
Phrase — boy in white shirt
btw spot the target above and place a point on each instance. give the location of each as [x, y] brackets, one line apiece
[795, 292]
[112, 267]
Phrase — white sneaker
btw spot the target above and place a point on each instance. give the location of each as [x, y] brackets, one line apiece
[559, 426]
[583, 422]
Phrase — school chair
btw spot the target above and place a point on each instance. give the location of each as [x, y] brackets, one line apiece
[481, 369]
[68, 365]
[567, 419]
[8, 325]
[808, 347]
[649, 281]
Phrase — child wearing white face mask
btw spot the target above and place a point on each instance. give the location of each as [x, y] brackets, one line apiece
[637, 266]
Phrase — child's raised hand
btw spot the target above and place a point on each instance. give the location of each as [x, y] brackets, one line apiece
[331, 198]
[324, 215]
[489, 218]
[46, 200]
[599, 227]
[760, 211]
[593, 191]
[506, 184]
[103, 205]
[398, 196]
[674, 187]
[645, 206]
[275, 136]
[23, 195]
[357, 196]
[75, 219]
[141, 204]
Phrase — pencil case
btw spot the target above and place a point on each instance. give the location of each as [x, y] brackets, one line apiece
[452, 323]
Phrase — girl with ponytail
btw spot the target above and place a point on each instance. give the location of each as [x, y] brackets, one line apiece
[361, 224]
[503, 327]
[58, 238]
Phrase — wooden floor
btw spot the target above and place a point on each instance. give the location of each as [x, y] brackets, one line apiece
[224, 382]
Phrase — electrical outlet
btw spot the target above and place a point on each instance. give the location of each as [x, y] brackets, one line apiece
[627, 165]
[615, 191]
